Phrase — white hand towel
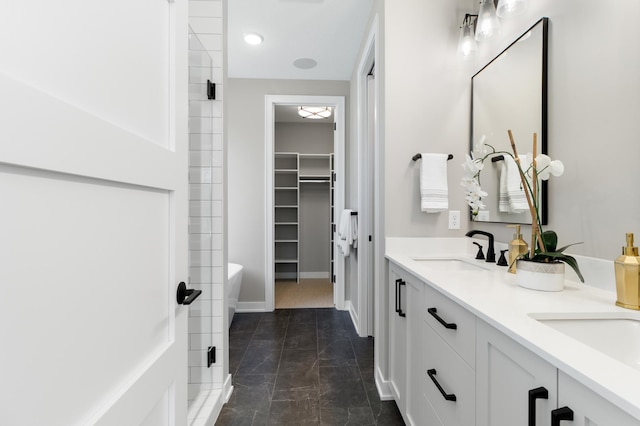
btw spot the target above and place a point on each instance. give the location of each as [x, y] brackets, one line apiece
[345, 232]
[434, 193]
[517, 198]
[503, 200]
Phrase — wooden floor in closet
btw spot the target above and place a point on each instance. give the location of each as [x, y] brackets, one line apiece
[307, 293]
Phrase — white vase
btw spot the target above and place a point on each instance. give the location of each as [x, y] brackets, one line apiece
[540, 275]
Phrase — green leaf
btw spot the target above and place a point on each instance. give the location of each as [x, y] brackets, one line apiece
[550, 239]
[566, 247]
[558, 256]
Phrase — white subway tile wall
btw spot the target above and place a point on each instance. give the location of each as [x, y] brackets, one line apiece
[206, 179]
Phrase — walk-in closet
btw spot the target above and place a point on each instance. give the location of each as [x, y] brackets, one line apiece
[303, 194]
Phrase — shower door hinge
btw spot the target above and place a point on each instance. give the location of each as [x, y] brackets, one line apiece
[334, 279]
[369, 237]
[211, 90]
[335, 126]
[334, 227]
[211, 356]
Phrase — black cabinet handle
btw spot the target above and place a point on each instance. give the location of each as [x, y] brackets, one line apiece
[397, 287]
[447, 396]
[534, 394]
[186, 297]
[400, 312]
[449, 325]
[559, 414]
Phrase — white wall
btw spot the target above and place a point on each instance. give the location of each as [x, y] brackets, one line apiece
[593, 114]
[245, 116]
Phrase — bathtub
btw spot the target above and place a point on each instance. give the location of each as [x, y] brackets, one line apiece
[233, 288]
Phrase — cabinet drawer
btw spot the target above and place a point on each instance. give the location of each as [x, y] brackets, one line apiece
[452, 322]
[447, 376]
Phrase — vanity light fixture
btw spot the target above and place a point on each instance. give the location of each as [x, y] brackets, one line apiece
[488, 23]
[314, 112]
[509, 8]
[253, 39]
[467, 45]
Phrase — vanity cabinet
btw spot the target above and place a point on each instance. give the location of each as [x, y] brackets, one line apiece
[587, 407]
[448, 376]
[511, 381]
[405, 344]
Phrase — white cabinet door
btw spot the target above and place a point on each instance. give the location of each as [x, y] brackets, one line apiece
[505, 373]
[93, 216]
[398, 338]
[587, 407]
[415, 351]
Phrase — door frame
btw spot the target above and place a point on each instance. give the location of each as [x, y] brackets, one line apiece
[338, 104]
[370, 221]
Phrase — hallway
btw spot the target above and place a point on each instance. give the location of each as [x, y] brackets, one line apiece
[302, 367]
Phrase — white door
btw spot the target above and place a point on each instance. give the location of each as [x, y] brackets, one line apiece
[93, 210]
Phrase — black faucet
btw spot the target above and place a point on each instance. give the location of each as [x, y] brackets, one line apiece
[491, 254]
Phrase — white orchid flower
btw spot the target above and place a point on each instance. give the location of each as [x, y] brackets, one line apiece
[556, 168]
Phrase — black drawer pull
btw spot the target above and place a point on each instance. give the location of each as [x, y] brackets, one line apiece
[397, 287]
[449, 325]
[447, 396]
[562, 413]
[534, 394]
[400, 312]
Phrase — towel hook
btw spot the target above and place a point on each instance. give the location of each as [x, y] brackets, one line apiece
[419, 156]
[497, 158]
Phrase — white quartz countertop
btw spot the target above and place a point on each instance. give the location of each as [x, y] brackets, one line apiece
[493, 296]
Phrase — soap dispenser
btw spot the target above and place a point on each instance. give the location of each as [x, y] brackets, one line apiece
[517, 246]
[627, 269]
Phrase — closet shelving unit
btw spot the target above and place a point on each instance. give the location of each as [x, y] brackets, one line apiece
[286, 232]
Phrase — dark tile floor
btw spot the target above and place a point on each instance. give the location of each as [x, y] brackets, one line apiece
[302, 367]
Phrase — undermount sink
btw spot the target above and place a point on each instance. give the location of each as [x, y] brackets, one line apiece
[450, 264]
[615, 336]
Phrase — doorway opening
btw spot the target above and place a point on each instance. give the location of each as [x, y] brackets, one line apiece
[305, 190]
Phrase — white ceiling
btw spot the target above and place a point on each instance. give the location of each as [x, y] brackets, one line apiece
[328, 31]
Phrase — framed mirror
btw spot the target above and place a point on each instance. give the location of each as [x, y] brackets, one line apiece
[510, 92]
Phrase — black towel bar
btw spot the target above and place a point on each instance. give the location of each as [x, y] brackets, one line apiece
[419, 156]
[354, 213]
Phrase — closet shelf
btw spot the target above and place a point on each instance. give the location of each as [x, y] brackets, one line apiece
[286, 241]
[286, 260]
[286, 223]
[288, 188]
[287, 206]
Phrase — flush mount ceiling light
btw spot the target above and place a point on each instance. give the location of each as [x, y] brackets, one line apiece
[314, 112]
[488, 23]
[467, 45]
[509, 8]
[305, 63]
[253, 39]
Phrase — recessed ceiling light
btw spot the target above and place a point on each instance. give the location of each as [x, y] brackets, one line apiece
[304, 63]
[253, 39]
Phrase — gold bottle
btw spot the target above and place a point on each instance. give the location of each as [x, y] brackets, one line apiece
[627, 268]
[517, 246]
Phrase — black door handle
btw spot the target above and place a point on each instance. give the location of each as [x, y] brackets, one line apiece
[447, 396]
[534, 394]
[434, 313]
[562, 413]
[185, 296]
[402, 314]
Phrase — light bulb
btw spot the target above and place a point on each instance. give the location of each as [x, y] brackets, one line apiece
[488, 23]
[509, 8]
[467, 45]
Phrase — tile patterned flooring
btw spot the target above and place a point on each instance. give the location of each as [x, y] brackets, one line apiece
[302, 367]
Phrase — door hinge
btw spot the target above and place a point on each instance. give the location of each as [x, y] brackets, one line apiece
[334, 176]
[334, 227]
[335, 126]
[333, 279]
[211, 356]
[369, 237]
[211, 90]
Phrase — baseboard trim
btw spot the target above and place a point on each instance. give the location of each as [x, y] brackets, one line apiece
[353, 314]
[227, 388]
[314, 275]
[207, 409]
[383, 386]
[244, 307]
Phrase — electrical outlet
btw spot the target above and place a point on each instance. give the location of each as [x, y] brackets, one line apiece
[454, 219]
